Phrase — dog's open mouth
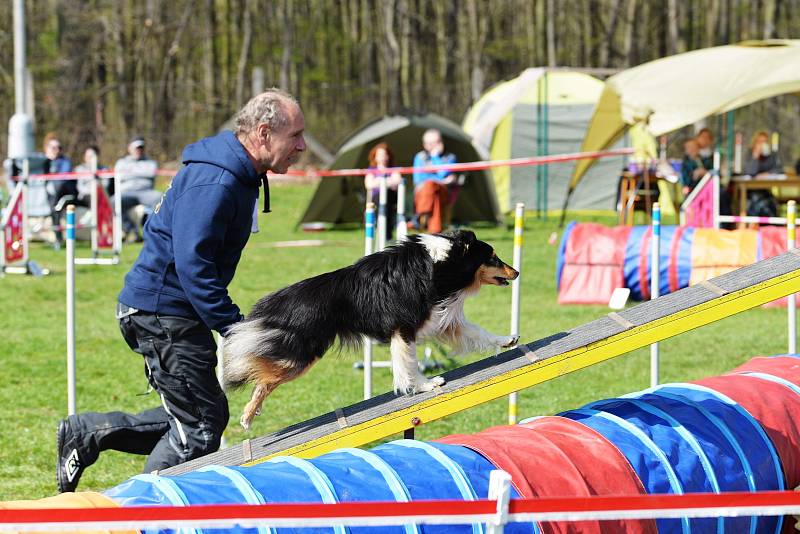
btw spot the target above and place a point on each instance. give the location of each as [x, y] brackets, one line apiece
[501, 281]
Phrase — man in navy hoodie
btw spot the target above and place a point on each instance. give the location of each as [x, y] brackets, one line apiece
[176, 293]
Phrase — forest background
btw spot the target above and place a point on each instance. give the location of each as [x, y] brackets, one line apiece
[176, 70]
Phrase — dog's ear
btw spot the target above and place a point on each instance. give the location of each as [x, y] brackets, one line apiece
[468, 237]
[465, 238]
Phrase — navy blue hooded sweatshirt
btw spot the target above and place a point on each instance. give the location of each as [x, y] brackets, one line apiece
[194, 239]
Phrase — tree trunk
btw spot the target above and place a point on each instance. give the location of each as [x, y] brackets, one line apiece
[551, 34]
[244, 54]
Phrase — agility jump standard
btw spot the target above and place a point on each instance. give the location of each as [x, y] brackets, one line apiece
[524, 366]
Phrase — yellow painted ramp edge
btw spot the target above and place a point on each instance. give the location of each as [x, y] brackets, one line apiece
[546, 369]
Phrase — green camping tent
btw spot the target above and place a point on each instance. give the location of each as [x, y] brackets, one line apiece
[342, 199]
[504, 121]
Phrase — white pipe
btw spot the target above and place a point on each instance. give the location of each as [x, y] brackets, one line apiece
[26, 231]
[369, 237]
[71, 310]
[94, 205]
[117, 216]
[382, 200]
[19, 56]
[519, 226]
[402, 229]
[715, 201]
[791, 306]
[655, 285]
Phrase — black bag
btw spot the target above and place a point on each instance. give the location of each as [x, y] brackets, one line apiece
[761, 204]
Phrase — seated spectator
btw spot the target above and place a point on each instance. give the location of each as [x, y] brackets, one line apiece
[135, 177]
[434, 192]
[705, 146]
[692, 167]
[762, 160]
[59, 190]
[380, 159]
[91, 163]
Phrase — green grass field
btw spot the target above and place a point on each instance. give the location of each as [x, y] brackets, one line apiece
[110, 376]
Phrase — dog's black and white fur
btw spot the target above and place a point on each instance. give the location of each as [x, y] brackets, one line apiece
[412, 290]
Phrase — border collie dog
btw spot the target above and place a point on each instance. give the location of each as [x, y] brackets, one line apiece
[412, 290]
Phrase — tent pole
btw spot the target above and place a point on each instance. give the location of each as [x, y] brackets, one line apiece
[539, 140]
[545, 145]
[731, 138]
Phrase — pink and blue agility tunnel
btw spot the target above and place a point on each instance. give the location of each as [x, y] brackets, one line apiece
[593, 259]
[735, 432]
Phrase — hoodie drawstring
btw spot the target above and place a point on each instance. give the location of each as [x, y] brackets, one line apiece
[265, 181]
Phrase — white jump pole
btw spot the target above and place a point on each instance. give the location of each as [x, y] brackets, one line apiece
[382, 200]
[791, 306]
[519, 225]
[402, 229]
[117, 216]
[655, 284]
[369, 237]
[71, 409]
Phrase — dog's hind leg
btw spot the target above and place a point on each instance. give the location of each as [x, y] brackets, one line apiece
[253, 408]
[269, 375]
[406, 375]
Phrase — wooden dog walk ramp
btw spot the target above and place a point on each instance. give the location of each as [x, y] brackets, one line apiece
[523, 367]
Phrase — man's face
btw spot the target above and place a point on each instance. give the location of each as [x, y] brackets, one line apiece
[136, 150]
[432, 143]
[282, 146]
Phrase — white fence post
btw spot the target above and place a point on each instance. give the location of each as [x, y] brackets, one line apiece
[500, 491]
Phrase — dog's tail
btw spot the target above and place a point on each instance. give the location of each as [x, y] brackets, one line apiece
[239, 352]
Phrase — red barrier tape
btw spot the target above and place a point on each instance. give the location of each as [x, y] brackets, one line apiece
[543, 509]
[478, 165]
[454, 167]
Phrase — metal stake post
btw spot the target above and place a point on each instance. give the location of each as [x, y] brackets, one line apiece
[655, 284]
[791, 306]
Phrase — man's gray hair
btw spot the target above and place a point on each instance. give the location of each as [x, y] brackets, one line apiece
[269, 107]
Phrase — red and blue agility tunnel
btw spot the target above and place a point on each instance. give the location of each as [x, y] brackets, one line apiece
[593, 259]
[735, 432]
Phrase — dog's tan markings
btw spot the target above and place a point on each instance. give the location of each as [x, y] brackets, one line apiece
[497, 274]
[268, 375]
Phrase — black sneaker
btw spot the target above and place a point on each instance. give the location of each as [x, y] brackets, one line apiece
[69, 468]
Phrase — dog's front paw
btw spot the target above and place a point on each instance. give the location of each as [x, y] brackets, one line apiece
[244, 421]
[423, 385]
[508, 342]
[428, 385]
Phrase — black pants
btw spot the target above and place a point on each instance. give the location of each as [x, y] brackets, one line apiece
[180, 357]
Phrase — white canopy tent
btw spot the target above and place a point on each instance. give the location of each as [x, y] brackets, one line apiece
[672, 92]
